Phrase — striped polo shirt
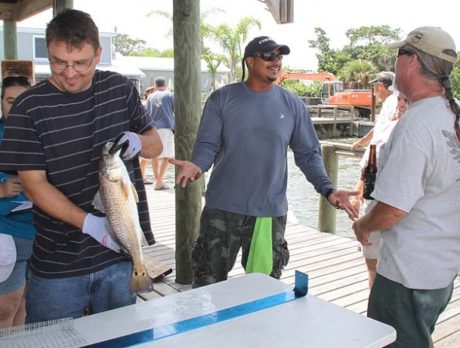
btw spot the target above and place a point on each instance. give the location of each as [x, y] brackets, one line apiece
[63, 134]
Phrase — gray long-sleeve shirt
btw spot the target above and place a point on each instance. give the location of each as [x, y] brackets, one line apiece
[246, 135]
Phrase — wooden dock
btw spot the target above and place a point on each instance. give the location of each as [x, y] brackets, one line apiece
[335, 266]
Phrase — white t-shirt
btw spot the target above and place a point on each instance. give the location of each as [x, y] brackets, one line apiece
[419, 173]
[383, 126]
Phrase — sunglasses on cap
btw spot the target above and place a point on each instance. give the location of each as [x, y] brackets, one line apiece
[269, 57]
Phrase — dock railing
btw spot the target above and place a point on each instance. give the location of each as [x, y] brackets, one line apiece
[331, 151]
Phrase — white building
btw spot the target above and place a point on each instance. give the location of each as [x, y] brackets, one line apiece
[141, 71]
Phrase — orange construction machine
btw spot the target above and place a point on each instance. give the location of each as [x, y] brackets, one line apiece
[333, 91]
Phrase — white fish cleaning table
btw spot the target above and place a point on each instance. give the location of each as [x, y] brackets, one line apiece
[249, 311]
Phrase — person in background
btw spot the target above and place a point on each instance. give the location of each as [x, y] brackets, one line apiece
[381, 133]
[160, 105]
[417, 209]
[54, 137]
[382, 84]
[245, 132]
[144, 161]
[17, 224]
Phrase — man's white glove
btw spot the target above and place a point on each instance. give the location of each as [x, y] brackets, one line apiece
[98, 228]
[130, 144]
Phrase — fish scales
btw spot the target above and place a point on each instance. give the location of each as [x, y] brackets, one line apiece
[119, 201]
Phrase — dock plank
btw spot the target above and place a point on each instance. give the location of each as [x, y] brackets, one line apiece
[335, 266]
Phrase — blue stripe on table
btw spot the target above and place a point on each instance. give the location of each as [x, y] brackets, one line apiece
[198, 322]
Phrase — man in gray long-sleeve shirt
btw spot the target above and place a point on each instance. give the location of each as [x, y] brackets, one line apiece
[245, 132]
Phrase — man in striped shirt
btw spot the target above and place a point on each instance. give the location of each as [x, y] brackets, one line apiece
[53, 138]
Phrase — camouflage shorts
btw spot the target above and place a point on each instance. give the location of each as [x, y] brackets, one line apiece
[222, 234]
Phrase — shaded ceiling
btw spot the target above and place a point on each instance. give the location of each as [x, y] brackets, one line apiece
[19, 10]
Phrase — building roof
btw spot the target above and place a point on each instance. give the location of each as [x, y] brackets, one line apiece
[126, 70]
[157, 63]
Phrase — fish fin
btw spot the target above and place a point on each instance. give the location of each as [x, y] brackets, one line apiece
[140, 279]
[97, 202]
[125, 188]
[136, 196]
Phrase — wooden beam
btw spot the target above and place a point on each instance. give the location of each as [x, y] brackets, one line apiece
[281, 10]
[21, 10]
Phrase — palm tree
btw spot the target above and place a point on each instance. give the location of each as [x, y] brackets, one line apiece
[231, 40]
[212, 60]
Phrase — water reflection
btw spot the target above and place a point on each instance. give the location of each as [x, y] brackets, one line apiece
[304, 200]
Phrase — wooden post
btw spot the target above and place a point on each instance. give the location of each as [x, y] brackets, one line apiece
[327, 213]
[9, 39]
[187, 89]
[59, 5]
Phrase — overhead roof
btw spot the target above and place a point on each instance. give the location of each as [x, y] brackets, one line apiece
[21, 9]
[282, 10]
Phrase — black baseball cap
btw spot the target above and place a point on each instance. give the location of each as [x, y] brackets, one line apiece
[262, 44]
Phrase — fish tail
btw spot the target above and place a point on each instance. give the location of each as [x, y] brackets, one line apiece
[140, 279]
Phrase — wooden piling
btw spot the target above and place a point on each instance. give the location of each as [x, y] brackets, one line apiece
[186, 18]
[327, 213]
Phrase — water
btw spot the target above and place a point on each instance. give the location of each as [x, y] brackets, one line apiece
[304, 200]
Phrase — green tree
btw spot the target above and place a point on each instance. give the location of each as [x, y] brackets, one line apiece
[455, 80]
[126, 45]
[153, 52]
[329, 60]
[302, 88]
[231, 40]
[366, 54]
[213, 62]
[357, 74]
[371, 43]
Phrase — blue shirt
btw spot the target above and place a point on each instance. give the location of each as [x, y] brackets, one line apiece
[245, 135]
[18, 224]
[160, 105]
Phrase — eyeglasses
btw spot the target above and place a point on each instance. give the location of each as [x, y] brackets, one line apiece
[402, 52]
[81, 66]
[269, 57]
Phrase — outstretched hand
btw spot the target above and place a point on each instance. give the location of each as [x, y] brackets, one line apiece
[340, 199]
[188, 172]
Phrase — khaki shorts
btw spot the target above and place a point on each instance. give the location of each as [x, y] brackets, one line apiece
[167, 140]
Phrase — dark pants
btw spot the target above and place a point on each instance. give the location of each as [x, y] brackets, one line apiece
[413, 313]
[222, 234]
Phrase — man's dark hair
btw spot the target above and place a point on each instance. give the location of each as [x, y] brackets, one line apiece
[160, 81]
[73, 27]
